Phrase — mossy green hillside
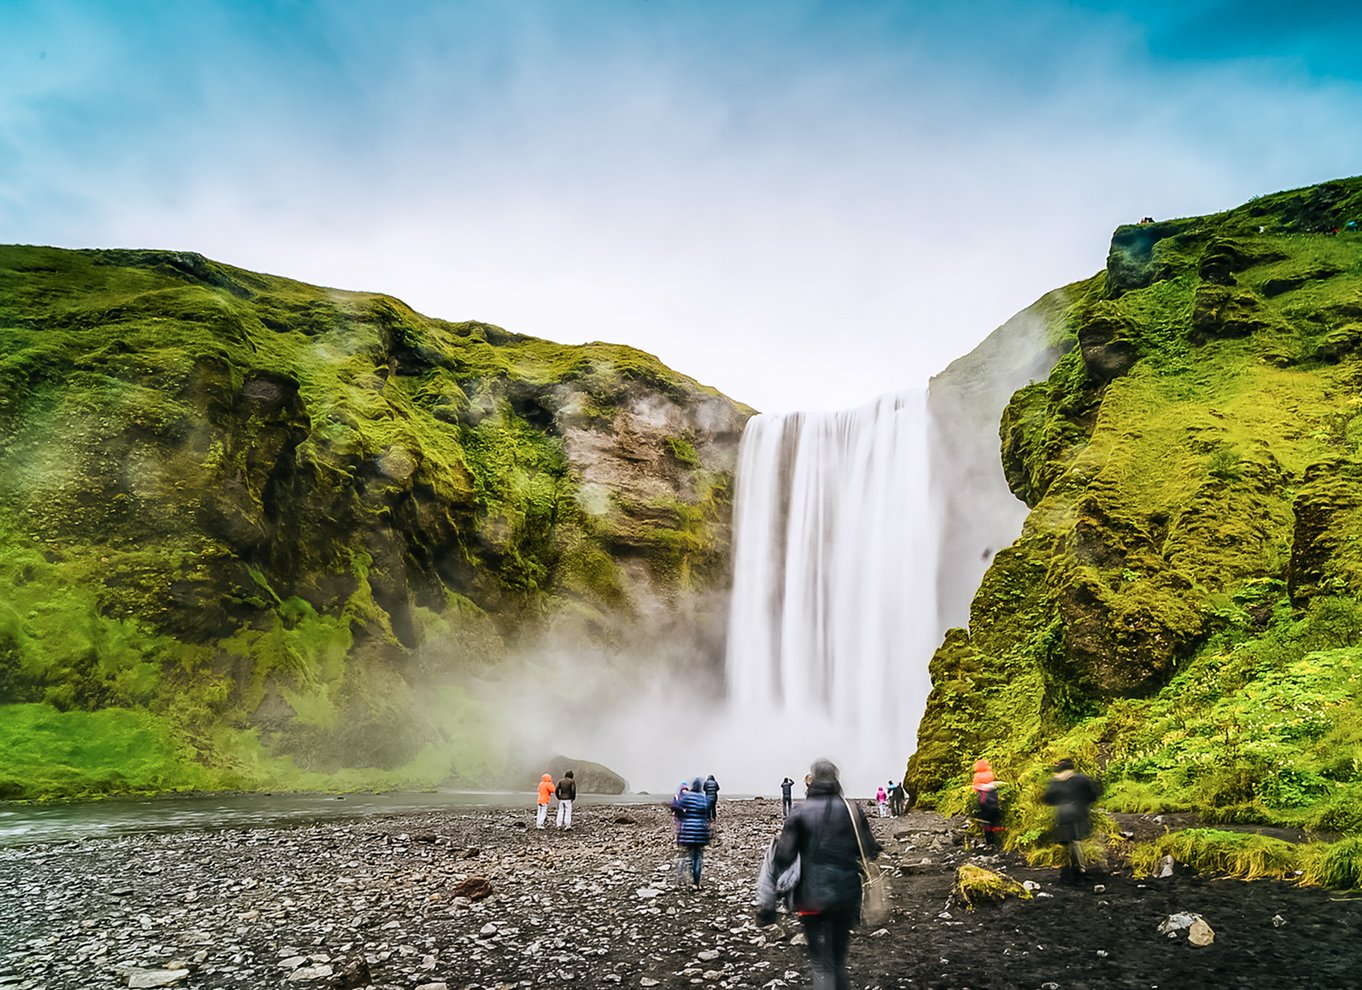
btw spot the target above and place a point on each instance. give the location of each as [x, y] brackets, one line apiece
[1182, 611]
[280, 519]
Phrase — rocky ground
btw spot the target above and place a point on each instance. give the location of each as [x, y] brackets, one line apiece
[481, 899]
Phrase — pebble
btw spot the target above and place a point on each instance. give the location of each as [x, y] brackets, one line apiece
[376, 903]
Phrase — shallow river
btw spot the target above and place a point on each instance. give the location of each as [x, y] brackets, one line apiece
[22, 824]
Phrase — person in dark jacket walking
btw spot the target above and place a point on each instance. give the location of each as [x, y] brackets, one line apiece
[692, 829]
[786, 798]
[712, 796]
[822, 833]
[1073, 795]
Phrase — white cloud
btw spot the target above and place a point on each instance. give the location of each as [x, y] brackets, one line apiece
[801, 220]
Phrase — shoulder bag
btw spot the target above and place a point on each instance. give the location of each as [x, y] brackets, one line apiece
[874, 890]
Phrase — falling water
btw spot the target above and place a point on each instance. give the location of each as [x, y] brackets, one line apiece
[833, 614]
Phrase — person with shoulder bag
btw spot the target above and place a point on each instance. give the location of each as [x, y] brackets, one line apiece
[831, 839]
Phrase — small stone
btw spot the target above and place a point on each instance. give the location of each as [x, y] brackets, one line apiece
[1278, 921]
[305, 974]
[1099, 888]
[709, 955]
[353, 975]
[1165, 868]
[474, 888]
[441, 985]
[647, 981]
[1200, 933]
[647, 892]
[1102, 953]
[155, 977]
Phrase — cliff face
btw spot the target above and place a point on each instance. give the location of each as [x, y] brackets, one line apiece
[261, 519]
[1181, 611]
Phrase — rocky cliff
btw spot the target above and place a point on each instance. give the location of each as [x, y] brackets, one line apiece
[1181, 611]
[259, 533]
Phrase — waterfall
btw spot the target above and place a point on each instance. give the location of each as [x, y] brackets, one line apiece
[833, 616]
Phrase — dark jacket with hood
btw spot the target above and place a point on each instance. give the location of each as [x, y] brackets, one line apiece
[819, 831]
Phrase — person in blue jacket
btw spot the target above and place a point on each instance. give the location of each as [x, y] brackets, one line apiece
[692, 832]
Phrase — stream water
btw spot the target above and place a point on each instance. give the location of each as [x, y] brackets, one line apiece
[25, 824]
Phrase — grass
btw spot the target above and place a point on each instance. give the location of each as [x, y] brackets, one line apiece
[975, 884]
[1244, 855]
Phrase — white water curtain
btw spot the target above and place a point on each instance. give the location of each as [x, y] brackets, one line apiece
[833, 615]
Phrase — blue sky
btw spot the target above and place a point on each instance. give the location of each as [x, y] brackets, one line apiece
[803, 204]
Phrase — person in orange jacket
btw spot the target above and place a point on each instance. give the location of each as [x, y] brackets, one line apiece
[987, 807]
[545, 796]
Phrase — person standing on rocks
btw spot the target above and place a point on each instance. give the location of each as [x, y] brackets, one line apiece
[545, 796]
[827, 834]
[567, 793]
[692, 811]
[988, 807]
[712, 796]
[882, 802]
[1073, 795]
[786, 797]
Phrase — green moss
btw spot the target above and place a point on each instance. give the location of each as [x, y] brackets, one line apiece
[1182, 612]
[280, 517]
[47, 753]
[974, 884]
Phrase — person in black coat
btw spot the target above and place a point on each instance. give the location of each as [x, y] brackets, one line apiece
[823, 832]
[786, 798]
[712, 796]
[1072, 795]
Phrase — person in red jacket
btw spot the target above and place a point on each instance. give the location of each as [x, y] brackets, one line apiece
[545, 796]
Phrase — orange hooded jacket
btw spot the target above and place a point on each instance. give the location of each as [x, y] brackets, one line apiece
[545, 789]
[983, 774]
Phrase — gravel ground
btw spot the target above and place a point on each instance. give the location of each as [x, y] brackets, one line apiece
[479, 898]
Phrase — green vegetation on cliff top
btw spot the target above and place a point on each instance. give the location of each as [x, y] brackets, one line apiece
[1183, 611]
[256, 530]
